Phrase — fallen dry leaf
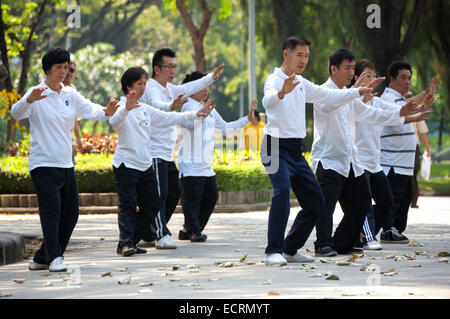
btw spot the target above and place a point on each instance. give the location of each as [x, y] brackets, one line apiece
[107, 274]
[415, 243]
[273, 293]
[176, 267]
[19, 281]
[355, 256]
[443, 260]
[443, 254]
[243, 258]
[332, 277]
[250, 263]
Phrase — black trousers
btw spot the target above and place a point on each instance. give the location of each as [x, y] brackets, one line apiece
[135, 188]
[381, 193]
[401, 186]
[415, 185]
[287, 168]
[198, 198]
[169, 195]
[353, 196]
[57, 195]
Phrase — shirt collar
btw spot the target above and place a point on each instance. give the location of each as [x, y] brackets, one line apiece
[49, 90]
[394, 92]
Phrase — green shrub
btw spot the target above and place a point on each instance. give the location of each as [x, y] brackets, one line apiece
[95, 174]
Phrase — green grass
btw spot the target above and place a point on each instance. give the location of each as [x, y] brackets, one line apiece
[439, 186]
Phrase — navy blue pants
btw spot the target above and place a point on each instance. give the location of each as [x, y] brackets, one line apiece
[57, 195]
[135, 189]
[353, 195]
[169, 195]
[287, 168]
[380, 191]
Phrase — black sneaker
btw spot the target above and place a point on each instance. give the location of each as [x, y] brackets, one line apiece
[349, 251]
[126, 251]
[325, 252]
[393, 236]
[198, 238]
[140, 250]
[183, 235]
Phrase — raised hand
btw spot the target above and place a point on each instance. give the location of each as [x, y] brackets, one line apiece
[206, 109]
[178, 103]
[362, 80]
[36, 95]
[409, 108]
[418, 117]
[427, 102]
[364, 90]
[132, 102]
[111, 108]
[373, 84]
[369, 96]
[288, 85]
[251, 113]
[433, 85]
[218, 71]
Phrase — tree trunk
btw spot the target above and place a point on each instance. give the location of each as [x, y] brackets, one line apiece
[197, 33]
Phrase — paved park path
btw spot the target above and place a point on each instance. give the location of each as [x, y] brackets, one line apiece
[230, 263]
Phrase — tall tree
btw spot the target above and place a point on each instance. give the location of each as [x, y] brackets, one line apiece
[391, 41]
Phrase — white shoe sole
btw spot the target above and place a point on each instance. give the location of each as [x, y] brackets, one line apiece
[146, 244]
[298, 260]
[166, 247]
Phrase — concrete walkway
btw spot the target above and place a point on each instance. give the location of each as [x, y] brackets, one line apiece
[230, 263]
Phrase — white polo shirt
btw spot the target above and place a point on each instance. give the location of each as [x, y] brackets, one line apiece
[398, 143]
[334, 132]
[135, 129]
[196, 153]
[286, 117]
[164, 137]
[51, 123]
[368, 138]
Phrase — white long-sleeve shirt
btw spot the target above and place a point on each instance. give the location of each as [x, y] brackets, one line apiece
[164, 136]
[368, 138]
[398, 143]
[334, 132]
[286, 117]
[51, 123]
[196, 153]
[135, 130]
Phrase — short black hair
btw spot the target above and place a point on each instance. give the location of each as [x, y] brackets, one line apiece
[193, 76]
[338, 56]
[292, 42]
[396, 66]
[158, 57]
[131, 76]
[54, 56]
[360, 66]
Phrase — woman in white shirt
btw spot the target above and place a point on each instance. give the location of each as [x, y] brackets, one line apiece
[52, 109]
[198, 181]
[132, 162]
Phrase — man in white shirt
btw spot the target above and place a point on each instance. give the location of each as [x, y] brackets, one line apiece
[160, 93]
[285, 95]
[398, 148]
[51, 109]
[335, 161]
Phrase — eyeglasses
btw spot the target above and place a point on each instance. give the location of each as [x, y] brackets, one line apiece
[172, 67]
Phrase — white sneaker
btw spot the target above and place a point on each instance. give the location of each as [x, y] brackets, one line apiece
[57, 265]
[143, 243]
[32, 265]
[275, 260]
[165, 243]
[373, 245]
[298, 258]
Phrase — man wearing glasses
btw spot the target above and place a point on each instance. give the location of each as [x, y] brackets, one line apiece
[161, 94]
